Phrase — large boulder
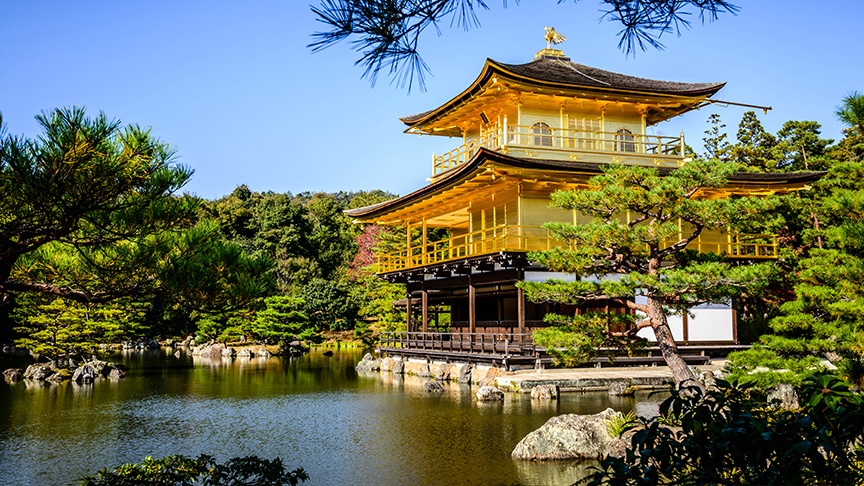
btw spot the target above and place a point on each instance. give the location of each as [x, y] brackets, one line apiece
[545, 392]
[39, 371]
[569, 436]
[228, 352]
[441, 371]
[433, 386]
[783, 396]
[488, 394]
[398, 367]
[100, 368]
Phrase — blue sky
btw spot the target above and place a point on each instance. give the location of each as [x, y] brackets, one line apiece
[234, 88]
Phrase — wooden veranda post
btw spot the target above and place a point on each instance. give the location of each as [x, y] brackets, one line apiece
[408, 313]
[424, 304]
[472, 307]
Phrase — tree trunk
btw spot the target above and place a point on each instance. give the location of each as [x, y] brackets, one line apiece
[682, 373]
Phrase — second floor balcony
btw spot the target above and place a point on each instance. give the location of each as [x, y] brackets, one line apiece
[512, 238]
[542, 141]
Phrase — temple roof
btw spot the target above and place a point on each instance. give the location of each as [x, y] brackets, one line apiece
[772, 181]
[559, 74]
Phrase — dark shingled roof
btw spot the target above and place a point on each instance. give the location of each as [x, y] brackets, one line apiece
[558, 165]
[558, 70]
[561, 72]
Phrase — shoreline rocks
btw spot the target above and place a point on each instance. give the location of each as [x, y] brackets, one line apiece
[83, 373]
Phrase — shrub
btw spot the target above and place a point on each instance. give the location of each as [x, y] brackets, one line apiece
[180, 470]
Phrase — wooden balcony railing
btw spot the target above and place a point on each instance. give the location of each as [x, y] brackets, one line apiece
[515, 238]
[502, 344]
[563, 141]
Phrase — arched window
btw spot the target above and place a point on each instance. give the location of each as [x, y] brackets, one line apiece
[542, 134]
[624, 141]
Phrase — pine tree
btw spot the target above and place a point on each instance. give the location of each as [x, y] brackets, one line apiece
[647, 249]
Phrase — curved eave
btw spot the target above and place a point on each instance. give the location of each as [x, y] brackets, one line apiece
[493, 68]
[772, 182]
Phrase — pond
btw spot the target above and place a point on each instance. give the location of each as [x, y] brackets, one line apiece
[315, 412]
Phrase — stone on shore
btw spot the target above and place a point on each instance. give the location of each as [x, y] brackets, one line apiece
[783, 396]
[433, 386]
[386, 364]
[245, 353]
[116, 374]
[569, 436]
[545, 392]
[368, 363]
[465, 373]
[418, 369]
[398, 367]
[622, 389]
[488, 394]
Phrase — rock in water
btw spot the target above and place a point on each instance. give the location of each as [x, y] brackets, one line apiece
[116, 374]
[489, 393]
[177, 354]
[545, 392]
[328, 353]
[433, 386]
[783, 396]
[245, 353]
[13, 375]
[398, 367]
[570, 436]
[465, 373]
[84, 374]
[38, 371]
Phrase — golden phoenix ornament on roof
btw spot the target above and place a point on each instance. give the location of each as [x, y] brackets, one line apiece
[553, 37]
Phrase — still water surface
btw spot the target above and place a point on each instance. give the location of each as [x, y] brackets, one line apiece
[315, 412]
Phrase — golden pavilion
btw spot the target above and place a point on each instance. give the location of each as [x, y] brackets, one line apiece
[526, 131]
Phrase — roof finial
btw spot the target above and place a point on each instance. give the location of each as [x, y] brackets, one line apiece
[553, 37]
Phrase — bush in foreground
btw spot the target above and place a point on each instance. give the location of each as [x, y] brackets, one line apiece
[180, 470]
[723, 436]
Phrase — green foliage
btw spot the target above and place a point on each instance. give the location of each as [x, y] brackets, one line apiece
[95, 188]
[56, 327]
[575, 340]
[716, 145]
[281, 320]
[617, 425]
[328, 305]
[754, 151]
[726, 437]
[180, 470]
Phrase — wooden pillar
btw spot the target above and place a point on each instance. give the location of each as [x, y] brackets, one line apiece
[520, 310]
[500, 310]
[472, 306]
[408, 313]
[425, 249]
[734, 325]
[424, 303]
[685, 324]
